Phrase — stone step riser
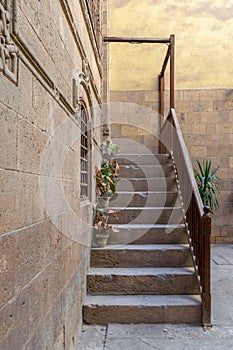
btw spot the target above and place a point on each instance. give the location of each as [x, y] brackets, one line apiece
[136, 147]
[146, 185]
[141, 285]
[131, 199]
[148, 216]
[135, 143]
[143, 159]
[141, 258]
[145, 171]
[148, 236]
[141, 314]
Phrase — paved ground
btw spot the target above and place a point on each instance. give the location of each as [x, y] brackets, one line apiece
[176, 337]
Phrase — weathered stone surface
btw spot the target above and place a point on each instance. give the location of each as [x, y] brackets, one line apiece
[116, 281]
[8, 137]
[31, 143]
[91, 338]
[18, 191]
[145, 170]
[144, 184]
[15, 329]
[43, 269]
[148, 234]
[14, 96]
[7, 270]
[40, 104]
[147, 215]
[142, 159]
[141, 256]
[142, 199]
[167, 336]
[142, 309]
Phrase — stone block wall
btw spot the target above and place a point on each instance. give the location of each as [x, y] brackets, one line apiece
[133, 116]
[44, 231]
[206, 120]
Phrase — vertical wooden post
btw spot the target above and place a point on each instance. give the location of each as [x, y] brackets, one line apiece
[161, 108]
[206, 295]
[172, 71]
[161, 96]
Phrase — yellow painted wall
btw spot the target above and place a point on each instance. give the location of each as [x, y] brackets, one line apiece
[204, 42]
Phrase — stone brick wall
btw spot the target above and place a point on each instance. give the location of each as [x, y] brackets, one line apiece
[44, 236]
[133, 115]
[206, 120]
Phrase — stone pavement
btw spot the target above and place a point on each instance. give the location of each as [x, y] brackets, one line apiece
[176, 337]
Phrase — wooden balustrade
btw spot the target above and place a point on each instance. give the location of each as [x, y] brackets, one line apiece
[197, 218]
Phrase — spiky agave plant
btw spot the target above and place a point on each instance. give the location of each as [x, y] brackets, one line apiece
[208, 184]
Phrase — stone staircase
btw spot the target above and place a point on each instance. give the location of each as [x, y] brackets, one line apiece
[146, 273]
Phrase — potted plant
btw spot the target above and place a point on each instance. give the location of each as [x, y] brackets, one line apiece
[208, 184]
[102, 227]
[105, 181]
[108, 149]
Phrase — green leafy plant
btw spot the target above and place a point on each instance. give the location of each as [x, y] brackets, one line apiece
[105, 178]
[208, 184]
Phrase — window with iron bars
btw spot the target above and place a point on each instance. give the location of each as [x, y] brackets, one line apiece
[84, 154]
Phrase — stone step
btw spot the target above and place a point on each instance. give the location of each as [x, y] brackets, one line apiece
[147, 215]
[134, 143]
[164, 281]
[132, 170]
[146, 255]
[143, 159]
[142, 199]
[148, 234]
[142, 309]
[146, 184]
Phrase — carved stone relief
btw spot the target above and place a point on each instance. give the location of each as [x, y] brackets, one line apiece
[8, 51]
[81, 82]
[81, 87]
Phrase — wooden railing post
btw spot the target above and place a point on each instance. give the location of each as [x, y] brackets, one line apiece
[206, 295]
[161, 96]
[172, 71]
[161, 108]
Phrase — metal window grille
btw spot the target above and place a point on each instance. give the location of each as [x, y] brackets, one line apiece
[84, 154]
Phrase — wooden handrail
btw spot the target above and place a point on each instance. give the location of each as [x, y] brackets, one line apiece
[170, 57]
[197, 218]
[172, 71]
[134, 40]
[187, 162]
[165, 62]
